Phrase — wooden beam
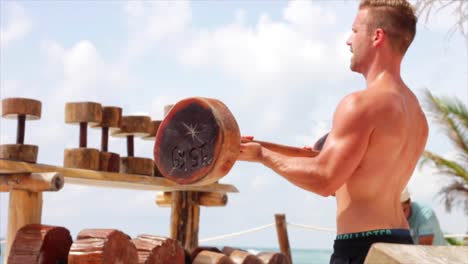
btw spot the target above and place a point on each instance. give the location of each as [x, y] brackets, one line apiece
[24, 208]
[398, 254]
[34, 182]
[208, 199]
[111, 179]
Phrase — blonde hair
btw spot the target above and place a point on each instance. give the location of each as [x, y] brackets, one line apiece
[395, 17]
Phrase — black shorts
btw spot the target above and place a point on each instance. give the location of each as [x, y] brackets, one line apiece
[352, 248]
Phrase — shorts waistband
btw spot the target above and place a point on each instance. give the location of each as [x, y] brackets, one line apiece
[374, 233]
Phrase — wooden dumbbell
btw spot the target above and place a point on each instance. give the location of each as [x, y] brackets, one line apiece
[151, 137]
[134, 126]
[21, 109]
[82, 113]
[199, 140]
[111, 119]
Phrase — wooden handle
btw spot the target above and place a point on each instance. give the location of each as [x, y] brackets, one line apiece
[287, 150]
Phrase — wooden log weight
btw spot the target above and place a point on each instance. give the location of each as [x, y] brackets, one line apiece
[244, 257]
[273, 258]
[211, 257]
[241, 256]
[19, 152]
[151, 137]
[199, 141]
[82, 113]
[102, 246]
[208, 199]
[40, 244]
[158, 250]
[21, 109]
[111, 119]
[153, 130]
[238, 255]
[134, 126]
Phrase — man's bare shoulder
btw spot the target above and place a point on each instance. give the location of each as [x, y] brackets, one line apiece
[372, 103]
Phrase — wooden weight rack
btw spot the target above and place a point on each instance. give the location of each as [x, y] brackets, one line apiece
[25, 180]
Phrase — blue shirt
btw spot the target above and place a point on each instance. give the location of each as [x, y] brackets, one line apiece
[423, 222]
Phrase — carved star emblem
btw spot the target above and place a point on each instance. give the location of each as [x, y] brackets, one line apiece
[192, 131]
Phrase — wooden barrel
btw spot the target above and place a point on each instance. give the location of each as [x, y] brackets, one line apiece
[197, 142]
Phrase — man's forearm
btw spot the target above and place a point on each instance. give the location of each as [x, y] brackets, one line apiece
[298, 170]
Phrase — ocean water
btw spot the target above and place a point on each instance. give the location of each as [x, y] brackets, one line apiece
[300, 256]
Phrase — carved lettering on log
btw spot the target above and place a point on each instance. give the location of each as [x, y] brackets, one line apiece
[190, 139]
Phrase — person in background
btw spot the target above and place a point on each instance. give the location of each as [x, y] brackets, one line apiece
[424, 225]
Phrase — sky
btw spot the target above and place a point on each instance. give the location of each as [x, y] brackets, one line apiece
[281, 67]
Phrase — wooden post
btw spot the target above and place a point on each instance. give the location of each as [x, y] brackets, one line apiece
[282, 231]
[25, 207]
[185, 218]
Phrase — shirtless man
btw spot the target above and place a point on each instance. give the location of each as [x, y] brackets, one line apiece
[377, 137]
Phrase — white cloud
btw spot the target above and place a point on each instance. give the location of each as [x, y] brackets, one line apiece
[304, 15]
[81, 73]
[16, 24]
[153, 21]
[159, 103]
[272, 59]
[287, 51]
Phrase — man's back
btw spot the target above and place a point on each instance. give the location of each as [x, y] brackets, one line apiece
[369, 199]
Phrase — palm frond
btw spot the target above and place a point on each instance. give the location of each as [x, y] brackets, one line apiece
[454, 194]
[426, 8]
[445, 166]
[452, 115]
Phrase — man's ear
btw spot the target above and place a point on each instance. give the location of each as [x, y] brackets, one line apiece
[379, 36]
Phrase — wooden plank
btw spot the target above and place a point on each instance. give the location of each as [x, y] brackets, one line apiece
[208, 199]
[110, 179]
[384, 253]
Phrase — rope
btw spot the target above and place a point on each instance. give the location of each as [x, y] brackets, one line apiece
[313, 227]
[252, 230]
[237, 233]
